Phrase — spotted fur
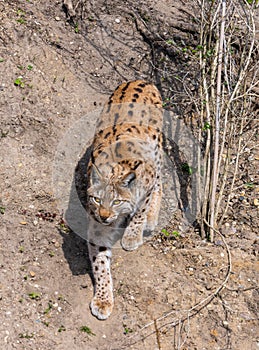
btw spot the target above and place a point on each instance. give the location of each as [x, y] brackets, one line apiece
[124, 190]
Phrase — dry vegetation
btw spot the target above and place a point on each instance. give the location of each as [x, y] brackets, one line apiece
[228, 99]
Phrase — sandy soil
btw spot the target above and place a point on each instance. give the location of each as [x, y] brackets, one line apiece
[167, 293]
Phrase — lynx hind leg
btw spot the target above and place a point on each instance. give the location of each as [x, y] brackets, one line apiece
[154, 208]
[102, 302]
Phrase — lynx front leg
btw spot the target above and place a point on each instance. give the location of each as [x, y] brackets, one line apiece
[133, 235]
[154, 207]
[102, 302]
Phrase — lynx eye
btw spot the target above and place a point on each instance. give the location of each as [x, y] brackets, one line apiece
[96, 200]
[116, 202]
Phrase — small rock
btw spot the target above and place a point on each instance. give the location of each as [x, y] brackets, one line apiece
[23, 222]
[57, 18]
[117, 20]
[171, 297]
[32, 274]
[256, 202]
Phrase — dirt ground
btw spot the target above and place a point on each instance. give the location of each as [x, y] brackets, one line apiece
[168, 293]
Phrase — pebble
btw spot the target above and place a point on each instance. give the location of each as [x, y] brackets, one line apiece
[256, 202]
[23, 222]
[57, 18]
[117, 20]
[171, 298]
[219, 243]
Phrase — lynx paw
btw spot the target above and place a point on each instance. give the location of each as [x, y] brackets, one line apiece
[150, 226]
[131, 242]
[101, 308]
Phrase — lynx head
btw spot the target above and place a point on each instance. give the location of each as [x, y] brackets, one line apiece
[112, 195]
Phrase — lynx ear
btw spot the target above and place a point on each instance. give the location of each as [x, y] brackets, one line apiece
[95, 176]
[128, 179]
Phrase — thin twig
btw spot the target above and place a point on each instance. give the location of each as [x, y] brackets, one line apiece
[215, 171]
[157, 335]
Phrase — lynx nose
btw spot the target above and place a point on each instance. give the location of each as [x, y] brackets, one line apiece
[104, 218]
[104, 214]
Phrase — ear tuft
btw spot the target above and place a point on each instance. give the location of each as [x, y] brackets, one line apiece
[95, 176]
[128, 179]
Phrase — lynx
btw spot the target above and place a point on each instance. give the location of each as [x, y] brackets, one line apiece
[124, 181]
